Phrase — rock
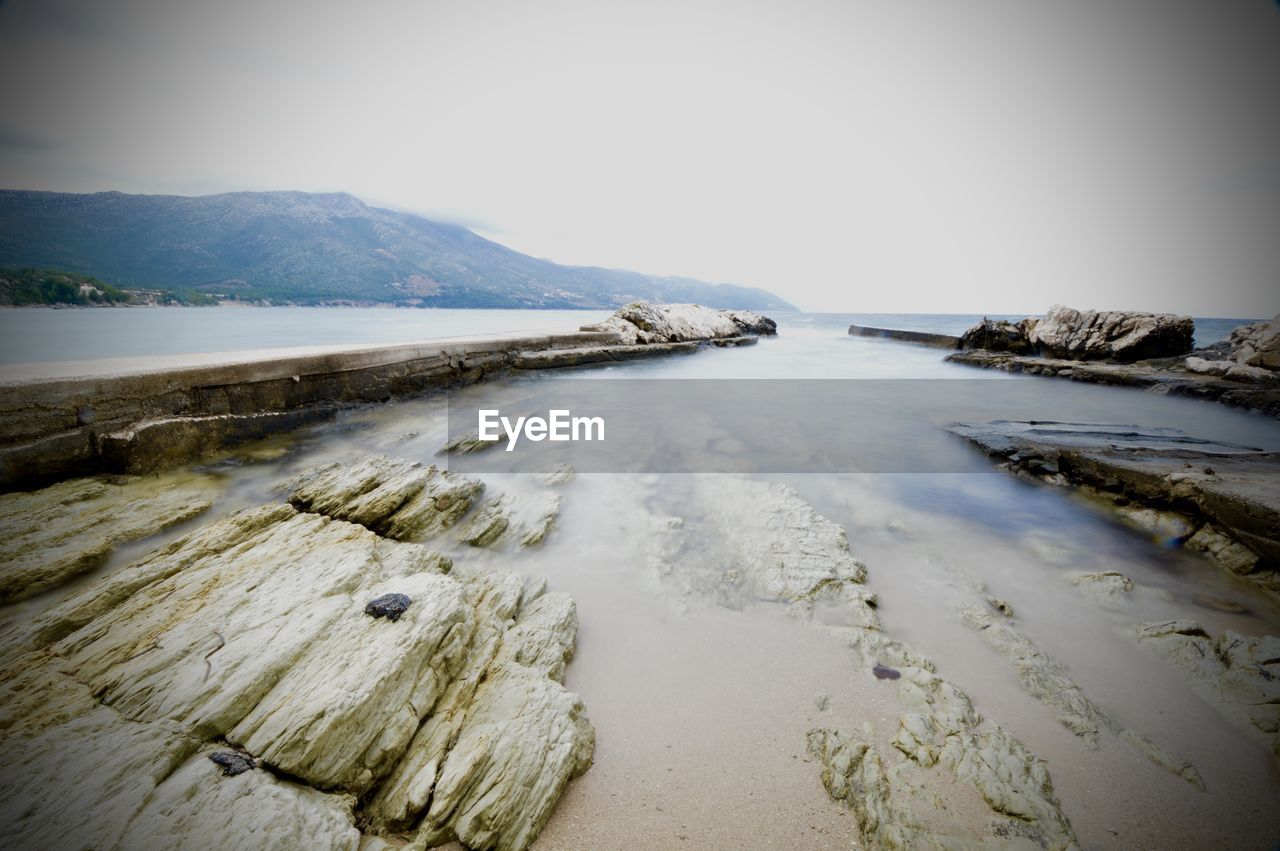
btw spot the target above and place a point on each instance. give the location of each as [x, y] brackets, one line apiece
[396, 498]
[941, 727]
[560, 475]
[232, 763]
[1239, 674]
[999, 335]
[884, 672]
[1048, 681]
[389, 606]
[495, 754]
[854, 774]
[1218, 604]
[253, 810]
[643, 323]
[1229, 369]
[468, 441]
[762, 542]
[747, 540]
[50, 536]
[1111, 335]
[1222, 549]
[1257, 344]
[526, 518]
[253, 629]
[1218, 499]
[1109, 588]
[1000, 605]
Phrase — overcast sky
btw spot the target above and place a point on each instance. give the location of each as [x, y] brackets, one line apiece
[848, 155]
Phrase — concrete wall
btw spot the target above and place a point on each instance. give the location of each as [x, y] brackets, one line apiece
[53, 429]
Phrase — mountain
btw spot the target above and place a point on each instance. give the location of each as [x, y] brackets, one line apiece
[312, 248]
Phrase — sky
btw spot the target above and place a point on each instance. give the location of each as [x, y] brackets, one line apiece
[993, 156]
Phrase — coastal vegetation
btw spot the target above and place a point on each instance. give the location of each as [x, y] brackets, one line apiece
[28, 286]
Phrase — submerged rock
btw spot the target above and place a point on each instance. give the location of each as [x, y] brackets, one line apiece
[50, 536]
[1047, 680]
[884, 672]
[746, 541]
[1238, 674]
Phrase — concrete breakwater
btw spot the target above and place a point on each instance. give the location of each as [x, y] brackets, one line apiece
[924, 338]
[54, 429]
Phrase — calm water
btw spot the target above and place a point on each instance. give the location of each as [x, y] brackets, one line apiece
[41, 335]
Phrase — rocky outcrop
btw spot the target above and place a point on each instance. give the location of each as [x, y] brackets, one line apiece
[645, 324]
[999, 335]
[1257, 344]
[1239, 674]
[525, 518]
[1110, 335]
[1230, 369]
[1086, 335]
[51, 536]
[1143, 350]
[1219, 500]
[1048, 681]
[364, 680]
[756, 542]
[396, 498]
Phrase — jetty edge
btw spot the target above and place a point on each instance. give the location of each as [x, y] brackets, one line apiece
[53, 429]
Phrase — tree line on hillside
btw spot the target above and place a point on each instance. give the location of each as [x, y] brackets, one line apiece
[27, 286]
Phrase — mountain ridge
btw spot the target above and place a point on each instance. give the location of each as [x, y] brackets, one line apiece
[314, 248]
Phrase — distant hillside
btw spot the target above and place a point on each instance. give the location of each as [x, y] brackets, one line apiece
[312, 248]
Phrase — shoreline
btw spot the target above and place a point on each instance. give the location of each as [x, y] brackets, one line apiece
[138, 422]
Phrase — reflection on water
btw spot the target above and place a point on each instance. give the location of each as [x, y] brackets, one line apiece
[701, 710]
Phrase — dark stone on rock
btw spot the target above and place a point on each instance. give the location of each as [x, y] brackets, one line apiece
[232, 763]
[884, 672]
[389, 606]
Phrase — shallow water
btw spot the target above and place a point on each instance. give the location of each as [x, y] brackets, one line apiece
[701, 709]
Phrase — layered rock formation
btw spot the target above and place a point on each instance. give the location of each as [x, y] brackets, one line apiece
[756, 542]
[254, 635]
[646, 324]
[1239, 674]
[1145, 350]
[1219, 500]
[49, 537]
[1064, 332]
[1047, 680]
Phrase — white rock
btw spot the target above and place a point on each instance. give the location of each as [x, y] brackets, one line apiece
[50, 536]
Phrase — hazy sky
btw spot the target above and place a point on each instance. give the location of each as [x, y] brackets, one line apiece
[848, 155]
